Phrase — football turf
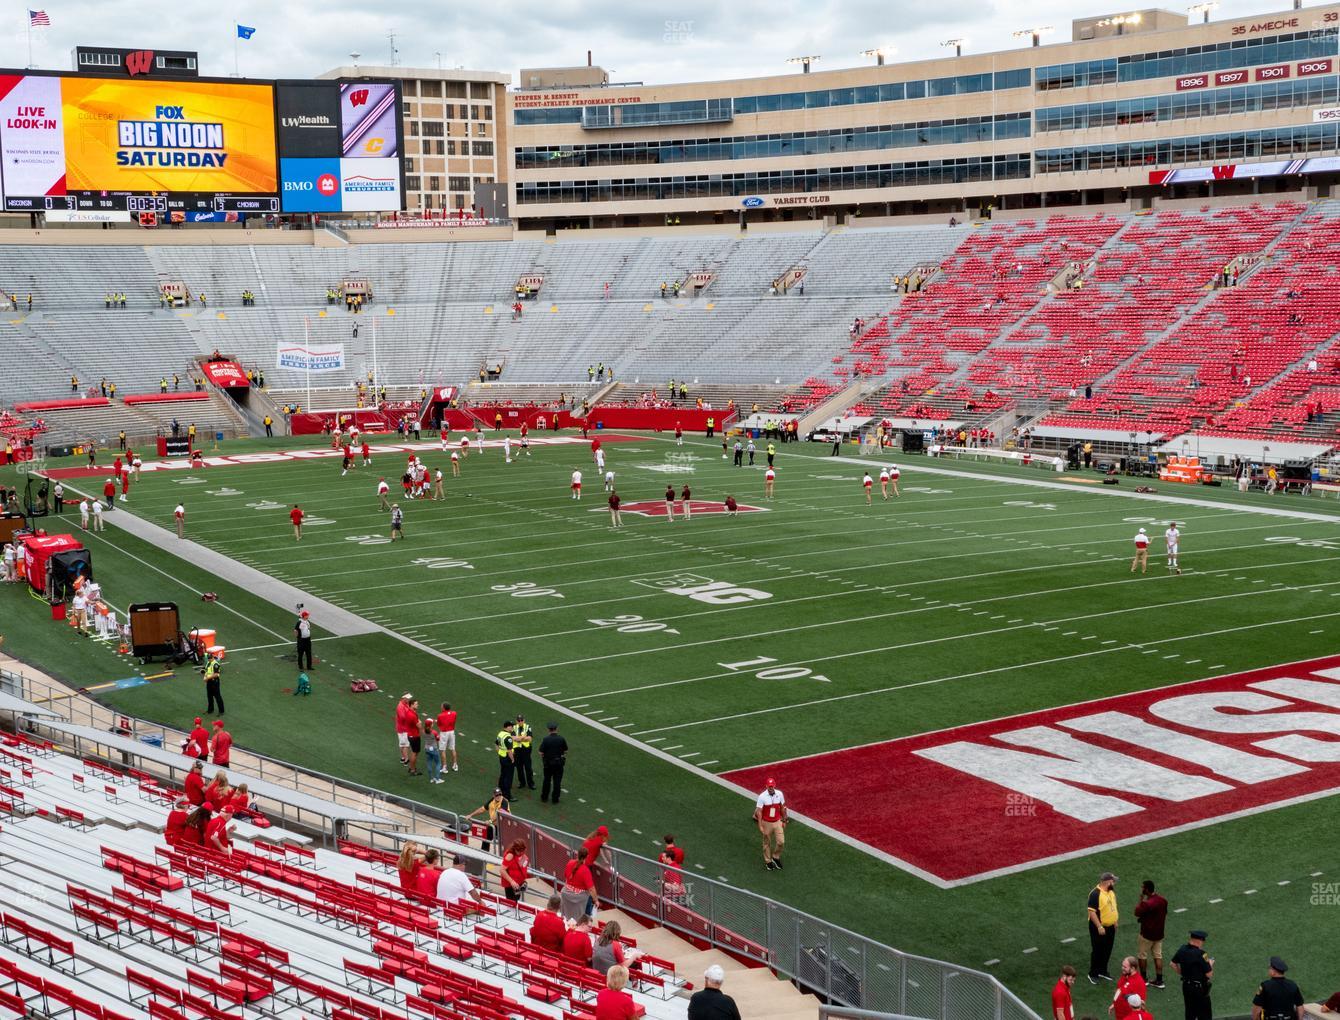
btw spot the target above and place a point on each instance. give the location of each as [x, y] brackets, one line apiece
[815, 624]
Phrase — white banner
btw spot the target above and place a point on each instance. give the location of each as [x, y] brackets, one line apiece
[1327, 116]
[87, 216]
[327, 358]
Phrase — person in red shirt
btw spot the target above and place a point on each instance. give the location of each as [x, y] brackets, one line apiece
[221, 746]
[239, 799]
[176, 822]
[1062, 1006]
[295, 515]
[193, 832]
[216, 832]
[197, 744]
[425, 879]
[732, 507]
[109, 493]
[407, 867]
[612, 1002]
[412, 735]
[219, 790]
[577, 942]
[116, 468]
[1152, 913]
[515, 870]
[125, 486]
[402, 712]
[1129, 985]
[578, 879]
[194, 786]
[594, 843]
[549, 930]
[1136, 1005]
[672, 879]
[367, 454]
[446, 735]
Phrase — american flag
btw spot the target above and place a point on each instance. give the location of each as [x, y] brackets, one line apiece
[38, 19]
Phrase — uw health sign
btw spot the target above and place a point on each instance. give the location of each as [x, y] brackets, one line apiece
[973, 802]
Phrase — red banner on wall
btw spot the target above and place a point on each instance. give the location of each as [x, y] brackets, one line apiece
[228, 374]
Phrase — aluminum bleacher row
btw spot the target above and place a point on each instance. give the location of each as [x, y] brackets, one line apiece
[103, 920]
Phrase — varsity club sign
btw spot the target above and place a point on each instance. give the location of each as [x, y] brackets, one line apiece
[992, 798]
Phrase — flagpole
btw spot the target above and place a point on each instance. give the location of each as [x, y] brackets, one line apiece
[236, 71]
[30, 40]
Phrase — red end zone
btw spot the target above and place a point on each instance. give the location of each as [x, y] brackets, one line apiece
[972, 802]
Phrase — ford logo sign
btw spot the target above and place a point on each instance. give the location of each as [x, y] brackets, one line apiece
[752, 202]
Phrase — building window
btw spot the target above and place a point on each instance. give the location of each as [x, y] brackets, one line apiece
[412, 184]
[409, 165]
[432, 129]
[430, 89]
[434, 183]
[482, 148]
[481, 130]
[965, 170]
[458, 184]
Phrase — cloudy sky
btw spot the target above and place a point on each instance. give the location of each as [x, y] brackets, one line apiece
[637, 40]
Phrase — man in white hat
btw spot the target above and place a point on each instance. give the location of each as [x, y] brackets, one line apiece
[1141, 559]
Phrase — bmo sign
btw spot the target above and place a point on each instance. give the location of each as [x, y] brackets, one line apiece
[309, 185]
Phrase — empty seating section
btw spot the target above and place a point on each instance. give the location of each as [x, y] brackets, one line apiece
[102, 918]
[996, 323]
[994, 280]
[1182, 379]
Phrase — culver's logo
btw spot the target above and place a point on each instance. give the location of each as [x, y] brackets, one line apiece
[752, 202]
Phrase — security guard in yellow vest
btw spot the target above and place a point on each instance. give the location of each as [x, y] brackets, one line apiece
[521, 739]
[506, 758]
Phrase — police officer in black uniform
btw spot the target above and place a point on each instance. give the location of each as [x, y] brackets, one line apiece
[553, 756]
[1197, 971]
[1277, 998]
[506, 749]
[521, 741]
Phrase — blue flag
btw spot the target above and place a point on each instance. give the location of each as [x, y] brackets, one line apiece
[243, 32]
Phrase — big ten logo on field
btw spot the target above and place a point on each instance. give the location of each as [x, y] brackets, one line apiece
[703, 589]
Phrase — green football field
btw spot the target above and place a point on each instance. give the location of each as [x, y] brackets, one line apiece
[811, 624]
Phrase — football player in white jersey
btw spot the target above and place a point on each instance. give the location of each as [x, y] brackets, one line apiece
[1173, 538]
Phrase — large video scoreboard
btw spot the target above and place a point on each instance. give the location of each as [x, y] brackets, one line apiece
[198, 149]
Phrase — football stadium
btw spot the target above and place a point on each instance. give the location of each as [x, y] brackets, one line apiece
[882, 566]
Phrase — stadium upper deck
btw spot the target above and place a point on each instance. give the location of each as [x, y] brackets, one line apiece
[1249, 105]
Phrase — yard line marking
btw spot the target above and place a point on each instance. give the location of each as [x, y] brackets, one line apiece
[1249, 892]
[691, 754]
[991, 963]
[1285, 882]
[576, 707]
[1030, 949]
[704, 764]
[877, 616]
[939, 680]
[1067, 941]
[1217, 899]
[624, 725]
[1180, 910]
[1193, 662]
[672, 747]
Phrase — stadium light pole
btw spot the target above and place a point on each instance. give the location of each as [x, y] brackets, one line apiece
[1121, 21]
[1203, 10]
[354, 55]
[878, 53]
[804, 62]
[1035, 34]
[958, 45]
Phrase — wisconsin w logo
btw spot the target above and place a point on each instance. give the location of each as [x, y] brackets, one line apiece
[358, 97]
[139, 62]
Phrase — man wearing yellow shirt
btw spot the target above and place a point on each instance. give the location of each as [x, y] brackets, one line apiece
[1102, 910]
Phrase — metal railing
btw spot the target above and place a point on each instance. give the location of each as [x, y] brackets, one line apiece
[839, 966]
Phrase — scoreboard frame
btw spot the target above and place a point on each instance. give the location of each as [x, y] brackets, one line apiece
[163, 203]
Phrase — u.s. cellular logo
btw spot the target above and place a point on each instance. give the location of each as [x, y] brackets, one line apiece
[365, 184]
[994, 798]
